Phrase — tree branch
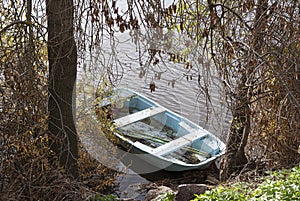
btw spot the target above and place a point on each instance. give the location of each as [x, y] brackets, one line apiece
[12, 24]
[232, 11]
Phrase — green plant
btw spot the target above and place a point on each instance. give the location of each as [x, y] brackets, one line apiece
[277, 186]
[168, 197]
[282, 185]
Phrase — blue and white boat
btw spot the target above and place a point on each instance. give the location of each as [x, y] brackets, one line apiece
[159, 136]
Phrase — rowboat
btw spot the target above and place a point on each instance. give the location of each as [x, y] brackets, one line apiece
[159, 136]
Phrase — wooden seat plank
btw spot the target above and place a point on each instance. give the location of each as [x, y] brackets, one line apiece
[178, 143]
[143, 114]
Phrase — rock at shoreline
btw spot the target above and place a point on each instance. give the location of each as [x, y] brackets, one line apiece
[155, 194]
[187, 192]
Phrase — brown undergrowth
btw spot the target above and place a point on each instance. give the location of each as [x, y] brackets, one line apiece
[25, 170]
[27, 175]
[275, 137]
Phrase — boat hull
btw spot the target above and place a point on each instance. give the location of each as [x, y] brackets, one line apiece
[187, 134]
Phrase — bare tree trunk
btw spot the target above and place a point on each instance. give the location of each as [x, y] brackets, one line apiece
[62, 55]
[235, 157]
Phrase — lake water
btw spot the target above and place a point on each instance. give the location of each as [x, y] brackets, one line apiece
[173, 90]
